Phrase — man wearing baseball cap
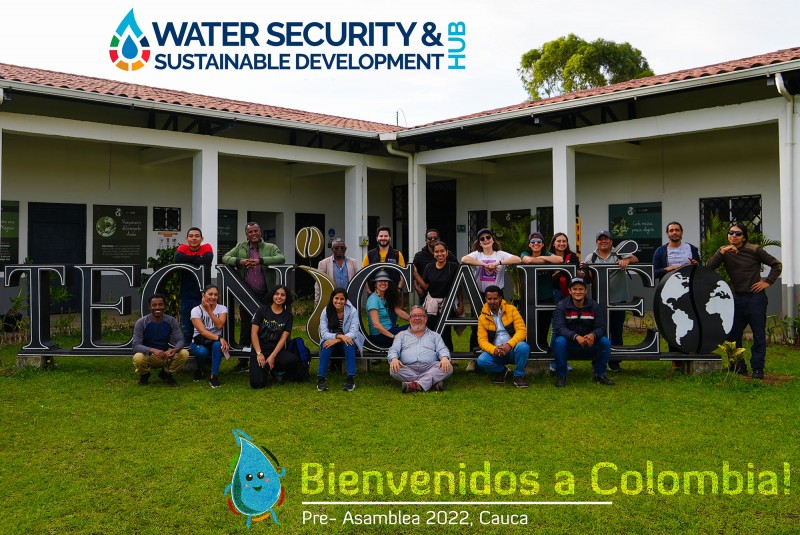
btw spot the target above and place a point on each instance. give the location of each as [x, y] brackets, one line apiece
[580, 331]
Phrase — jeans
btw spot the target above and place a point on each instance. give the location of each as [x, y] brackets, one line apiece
[519, 357]
[381, 340]
[187, 304]
[616, 324]
[600, 351]
[201, 354]
[751, 309]
[325, 354]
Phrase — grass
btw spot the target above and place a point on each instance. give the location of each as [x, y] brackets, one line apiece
[84, 449]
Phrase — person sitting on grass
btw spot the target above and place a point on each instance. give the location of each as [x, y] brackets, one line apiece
[579, 328]
[419, 358]
[152, 336]
[209, 319]
[339, 336]
[272, 326]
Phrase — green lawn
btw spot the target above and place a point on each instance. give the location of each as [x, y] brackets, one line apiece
[84, 449]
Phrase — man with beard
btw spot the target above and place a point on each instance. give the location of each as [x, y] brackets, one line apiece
[418, 358]
[385, 253]
[253, 258]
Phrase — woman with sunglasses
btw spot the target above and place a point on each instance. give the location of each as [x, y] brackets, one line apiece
[489, 262]
[537, 254]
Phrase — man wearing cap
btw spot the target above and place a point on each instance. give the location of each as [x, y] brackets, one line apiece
[579, 330]
[419, 358]
[338, 267]
[617, 287]
[501, 336]
[743, 263]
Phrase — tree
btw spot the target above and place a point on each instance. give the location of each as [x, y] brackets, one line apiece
[570, 64]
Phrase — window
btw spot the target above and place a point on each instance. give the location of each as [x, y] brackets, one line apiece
[746, 208]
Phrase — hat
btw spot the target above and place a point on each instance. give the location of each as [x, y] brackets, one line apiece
[602, 233]
[536, 234]
[485, 231]
[577, 280]
[381, 275]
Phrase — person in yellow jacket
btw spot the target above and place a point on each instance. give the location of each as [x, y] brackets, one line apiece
[501, 336]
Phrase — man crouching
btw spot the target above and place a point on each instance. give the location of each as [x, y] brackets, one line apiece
[418, 358]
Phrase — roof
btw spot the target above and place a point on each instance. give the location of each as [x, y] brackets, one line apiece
[102, 86]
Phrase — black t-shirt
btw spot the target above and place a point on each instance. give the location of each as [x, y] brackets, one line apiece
[271, 326]
[438, 280]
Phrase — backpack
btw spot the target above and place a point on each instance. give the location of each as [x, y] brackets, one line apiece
[298, 347]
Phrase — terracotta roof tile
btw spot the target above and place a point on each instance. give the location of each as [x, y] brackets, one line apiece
[169, 96]
[181, 98]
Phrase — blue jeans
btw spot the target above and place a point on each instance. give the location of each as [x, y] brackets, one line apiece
[201, 354]
[519, 357]
[600, 351]
[751, 309]
[325, 354]
[187, 304]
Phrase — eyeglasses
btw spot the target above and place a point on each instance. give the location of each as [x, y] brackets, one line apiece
[536, 241]
[418, 316]
[432, 238]
[485, 237]
[735, 233]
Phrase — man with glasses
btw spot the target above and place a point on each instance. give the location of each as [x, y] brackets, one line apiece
[339, 267]
[418, 358]
[425, 256]
[617, 287]
[743, 261]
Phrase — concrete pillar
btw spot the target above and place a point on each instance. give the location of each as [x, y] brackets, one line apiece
[564, 191]
[355, 216]
[419, 215]
[205, 195]
[789, 162]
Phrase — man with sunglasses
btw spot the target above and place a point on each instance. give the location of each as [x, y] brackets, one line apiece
[743, 261]
[339, 267]
[419, 358]
[425, 256]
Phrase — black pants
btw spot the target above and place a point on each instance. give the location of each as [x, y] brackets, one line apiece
[287, 365]
[246, 321]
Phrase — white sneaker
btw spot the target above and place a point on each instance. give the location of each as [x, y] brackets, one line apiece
[471, 366]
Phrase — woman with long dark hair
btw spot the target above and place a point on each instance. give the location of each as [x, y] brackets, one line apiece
[340, 336]
[269, 334]
[559, 246]
[383, 311]
[436, 279]
[208, 319]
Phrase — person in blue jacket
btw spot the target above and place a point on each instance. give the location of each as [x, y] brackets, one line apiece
[674, 254]
[339, 335]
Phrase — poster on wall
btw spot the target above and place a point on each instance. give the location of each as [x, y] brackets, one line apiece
[640, 222]
[9, 233]
[227, 222]
[120, 235]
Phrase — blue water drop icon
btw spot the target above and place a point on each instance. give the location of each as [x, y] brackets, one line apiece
[130, 49]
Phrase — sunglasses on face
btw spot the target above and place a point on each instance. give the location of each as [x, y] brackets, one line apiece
[735, 233]
[432, 238]
[536, 241]
[484, 238]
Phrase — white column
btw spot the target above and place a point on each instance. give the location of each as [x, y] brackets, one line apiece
[205, 195]
[564, 190]
[355, 210]
[417, 217]
[789, 158]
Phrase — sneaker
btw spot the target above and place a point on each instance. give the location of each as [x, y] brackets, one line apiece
[471, 366]
[438, 386]
[322, 384]
[241, 367]
[349, 383]
[520, 382]
[561, 382]
[198, 374]
[143, 379]
[500, 377]
[603, 380]
[614, 367]
[757, 374]
[165, 376]
[411, 386]
[214, 381]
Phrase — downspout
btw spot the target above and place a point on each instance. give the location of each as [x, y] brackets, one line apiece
[2, 96]
[790, 293]
[389, 141]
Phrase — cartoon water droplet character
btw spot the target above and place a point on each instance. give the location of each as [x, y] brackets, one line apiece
[255, 487]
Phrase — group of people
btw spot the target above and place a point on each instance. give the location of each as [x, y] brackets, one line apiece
[418, 356]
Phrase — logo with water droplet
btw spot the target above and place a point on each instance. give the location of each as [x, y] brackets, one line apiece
[129, 48]
[255, 487]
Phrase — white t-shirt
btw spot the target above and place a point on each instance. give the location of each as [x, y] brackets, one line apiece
[199, 312]
[681, 255]
[485, 278]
